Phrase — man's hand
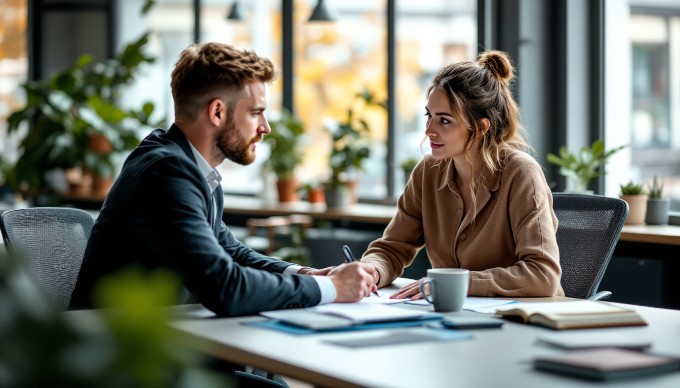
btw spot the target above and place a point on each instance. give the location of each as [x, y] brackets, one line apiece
[353, 281]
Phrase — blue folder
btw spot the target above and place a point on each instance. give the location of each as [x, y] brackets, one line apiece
[292, 329]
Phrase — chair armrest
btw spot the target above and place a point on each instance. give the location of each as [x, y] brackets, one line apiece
[602, 295]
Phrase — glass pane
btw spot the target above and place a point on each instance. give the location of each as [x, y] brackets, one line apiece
[430, 34]
[643, 73]
[335, 61]
[13, 73]
[171, 24]
[260, 30]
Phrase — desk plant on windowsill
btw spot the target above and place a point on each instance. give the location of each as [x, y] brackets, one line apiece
[285, 142]
[634, 195]
[582, 167]
[657, 206]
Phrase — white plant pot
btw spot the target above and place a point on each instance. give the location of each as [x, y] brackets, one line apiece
[637, 208]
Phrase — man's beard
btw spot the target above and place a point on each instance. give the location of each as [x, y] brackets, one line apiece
[234, 147]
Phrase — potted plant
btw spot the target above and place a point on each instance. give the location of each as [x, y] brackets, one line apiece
[657, 206]
[580, 168]
[634, 195]
[314, 192]
[285, 142]
[350, 147]
[72, 111]
[407, 166]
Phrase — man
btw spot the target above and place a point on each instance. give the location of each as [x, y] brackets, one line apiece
[164, 210]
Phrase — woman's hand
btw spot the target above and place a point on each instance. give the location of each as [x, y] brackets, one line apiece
[411, 291]
[314, 271]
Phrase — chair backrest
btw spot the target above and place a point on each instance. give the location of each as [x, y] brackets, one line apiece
[52, 242]
[589, 227]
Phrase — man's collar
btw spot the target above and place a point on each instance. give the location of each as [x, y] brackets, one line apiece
[212, 176]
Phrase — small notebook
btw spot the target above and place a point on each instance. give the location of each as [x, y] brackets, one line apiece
[572, 314]
[607, 364]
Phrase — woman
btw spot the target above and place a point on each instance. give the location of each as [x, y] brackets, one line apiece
[479, 201]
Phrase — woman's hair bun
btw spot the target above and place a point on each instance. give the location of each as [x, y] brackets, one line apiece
[498, 63]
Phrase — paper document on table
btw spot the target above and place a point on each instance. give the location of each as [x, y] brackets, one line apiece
[338, 315]
[476, 304]
[359, 312]
[484, 305]
[384, 298]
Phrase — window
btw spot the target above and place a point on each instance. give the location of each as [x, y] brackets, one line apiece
[643, 63]
[430, 35]
[13, 71]
[333, 61]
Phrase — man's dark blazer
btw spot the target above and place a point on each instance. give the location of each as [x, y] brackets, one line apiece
[157, 215]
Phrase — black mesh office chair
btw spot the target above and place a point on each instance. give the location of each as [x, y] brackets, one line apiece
[589, 227]
[52, 241]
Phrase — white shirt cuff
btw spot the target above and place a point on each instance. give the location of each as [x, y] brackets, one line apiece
[292, 269]
[328, 293]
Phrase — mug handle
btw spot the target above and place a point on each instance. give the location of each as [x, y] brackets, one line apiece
[422, 289]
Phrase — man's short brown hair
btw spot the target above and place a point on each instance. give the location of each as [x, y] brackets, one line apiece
[205, 71]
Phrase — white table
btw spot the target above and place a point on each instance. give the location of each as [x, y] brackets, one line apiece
[493, 358]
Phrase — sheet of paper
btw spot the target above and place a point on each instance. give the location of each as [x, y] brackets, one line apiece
[399, 337]
[383, 298]
[476, 304]
[360, 312]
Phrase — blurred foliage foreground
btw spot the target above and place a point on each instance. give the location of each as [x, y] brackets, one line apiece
[125, 343]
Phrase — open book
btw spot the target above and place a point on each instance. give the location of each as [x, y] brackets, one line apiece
[336, 315]
[572, 314]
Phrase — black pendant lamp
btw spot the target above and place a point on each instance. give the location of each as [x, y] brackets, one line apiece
[236, 12]
[321, 13]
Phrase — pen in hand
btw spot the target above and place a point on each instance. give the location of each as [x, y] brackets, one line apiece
[349, 257]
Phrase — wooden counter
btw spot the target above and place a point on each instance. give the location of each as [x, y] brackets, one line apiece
[655, 234]
[360, 212]
[382, 214]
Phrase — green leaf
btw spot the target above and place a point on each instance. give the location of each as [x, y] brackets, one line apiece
[581, 168]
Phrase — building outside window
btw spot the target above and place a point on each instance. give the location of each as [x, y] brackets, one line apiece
[643, 93]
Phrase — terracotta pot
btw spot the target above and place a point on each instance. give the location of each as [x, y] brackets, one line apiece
[100, 144]
[352, 189]
[101, 186]
[287, 189]
[316, 195]
[637, 208]
[79, 183]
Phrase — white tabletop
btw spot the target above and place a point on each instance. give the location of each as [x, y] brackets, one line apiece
[493, 358]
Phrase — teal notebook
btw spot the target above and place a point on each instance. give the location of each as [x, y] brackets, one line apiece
[274, 324]
[344, 317]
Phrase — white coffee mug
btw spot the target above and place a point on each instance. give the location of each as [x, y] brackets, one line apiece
[448, 288]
